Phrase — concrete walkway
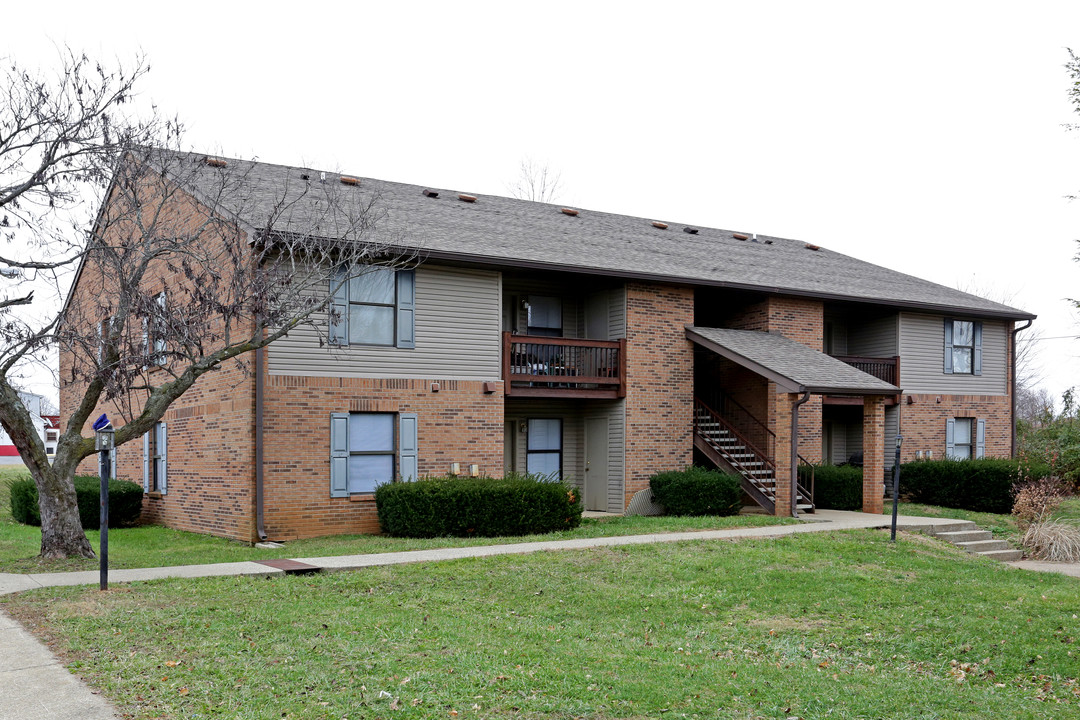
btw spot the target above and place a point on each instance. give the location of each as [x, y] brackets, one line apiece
[33, 683]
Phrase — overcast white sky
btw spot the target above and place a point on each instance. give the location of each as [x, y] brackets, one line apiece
[924, 136]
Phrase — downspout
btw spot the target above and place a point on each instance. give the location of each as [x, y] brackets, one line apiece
[795, 453]
[260, 529]
[1012, 394]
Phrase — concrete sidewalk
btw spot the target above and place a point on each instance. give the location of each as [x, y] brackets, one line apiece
[34, 685]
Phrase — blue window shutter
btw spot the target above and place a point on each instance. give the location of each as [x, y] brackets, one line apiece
[408, 452]
[339, 307]
[163, 450]
[339, 455]
[980, 439]
[948, 346]
[406, 308]
[950, 429]
[976, 363]
[146, 462]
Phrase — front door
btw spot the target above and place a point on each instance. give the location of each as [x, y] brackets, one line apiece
[596, 463]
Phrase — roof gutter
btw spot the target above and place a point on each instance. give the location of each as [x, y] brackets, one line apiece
[1012, 392]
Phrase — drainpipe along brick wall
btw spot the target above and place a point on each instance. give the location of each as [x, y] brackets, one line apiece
[660, 382]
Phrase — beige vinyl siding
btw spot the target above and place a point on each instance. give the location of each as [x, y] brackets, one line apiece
[517, 288]
[892, 427]
[457, 335]
[573, 414]
[922, 358]
[873, 338]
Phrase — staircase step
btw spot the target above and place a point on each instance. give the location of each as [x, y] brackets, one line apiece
[982, 546]
[1003, 555]
[962, 536]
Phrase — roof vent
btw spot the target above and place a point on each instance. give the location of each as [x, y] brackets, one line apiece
[810, 246]
[467, 198]
[305, 176]
[768, 242]
[214, 162]
[431, 193]
[658, 224]
[569, 211]
[690, 230]
[740, 236]
[347, 180]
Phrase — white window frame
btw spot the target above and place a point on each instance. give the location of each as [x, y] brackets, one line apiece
[530, 451]
[156, 459]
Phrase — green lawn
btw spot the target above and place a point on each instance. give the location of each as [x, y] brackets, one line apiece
[156, 546]
[841, 625]
[1002, 526]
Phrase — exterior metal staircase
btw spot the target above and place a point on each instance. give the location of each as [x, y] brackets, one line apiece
[731, 451]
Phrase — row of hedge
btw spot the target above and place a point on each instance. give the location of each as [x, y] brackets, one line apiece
[486, 507]
[697, 491]
[836, 487]
[125, 502]
[983, 485]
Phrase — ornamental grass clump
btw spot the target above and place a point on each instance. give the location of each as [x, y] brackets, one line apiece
[1043, 536]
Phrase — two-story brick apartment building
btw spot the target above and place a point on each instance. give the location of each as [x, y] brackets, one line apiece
[597, 347]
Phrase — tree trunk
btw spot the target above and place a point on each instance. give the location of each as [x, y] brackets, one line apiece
[62, 534]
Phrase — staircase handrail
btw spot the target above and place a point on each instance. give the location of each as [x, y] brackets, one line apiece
[799, 486]
[764, 457]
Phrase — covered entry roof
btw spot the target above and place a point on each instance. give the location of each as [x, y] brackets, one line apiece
[790, 364]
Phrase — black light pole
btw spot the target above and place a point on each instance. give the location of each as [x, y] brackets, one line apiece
[896, 486]
[104, 436]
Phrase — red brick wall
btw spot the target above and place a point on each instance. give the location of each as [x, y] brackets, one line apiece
[660, 387]
[873, 454]
[459, 423]
[923, 422]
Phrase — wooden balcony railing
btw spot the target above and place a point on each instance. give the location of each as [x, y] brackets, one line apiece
[563, 367]
[883, 368]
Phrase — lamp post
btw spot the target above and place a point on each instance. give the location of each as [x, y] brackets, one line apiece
[896, 485]
[104, 437]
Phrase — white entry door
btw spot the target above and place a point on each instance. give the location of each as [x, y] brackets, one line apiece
[596, 464]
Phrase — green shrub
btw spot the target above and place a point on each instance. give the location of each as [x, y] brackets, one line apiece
[837, 487]
[697, 491]
[983, 485]
[485, 507]
[125, 502]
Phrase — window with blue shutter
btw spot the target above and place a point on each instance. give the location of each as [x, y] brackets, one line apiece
[370, 449]
[963, 347]
[156, 459]
[375, 306]
[980, 439]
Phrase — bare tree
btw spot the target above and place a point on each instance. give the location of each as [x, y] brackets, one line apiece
[536, 182]
[190, 263]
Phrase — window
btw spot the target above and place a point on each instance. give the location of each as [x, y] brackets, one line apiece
[369, 449]
[543, 454]
[545, 316]
[965, 438]
[155, 459]
[375, 306]
[963, 347]
[154, 330]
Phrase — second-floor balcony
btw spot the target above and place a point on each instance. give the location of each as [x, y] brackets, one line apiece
[883, 368]
[563, 367]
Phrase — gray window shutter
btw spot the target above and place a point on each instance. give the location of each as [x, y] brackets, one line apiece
[339, 307]
[980, 439]
[948, 346]
[406, 308]
[163, 478]
[339, 455]
[976, 362]
[408, 452]
[146, 462]
[950, 429]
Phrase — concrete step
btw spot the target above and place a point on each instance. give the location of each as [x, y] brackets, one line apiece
[983, 546]
[962, 536]
[1004, 555]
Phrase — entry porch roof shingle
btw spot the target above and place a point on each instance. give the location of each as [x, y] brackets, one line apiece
[790, 364]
